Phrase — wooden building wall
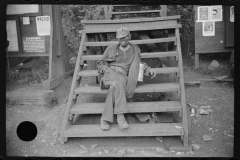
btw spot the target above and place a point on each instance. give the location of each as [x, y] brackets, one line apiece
[217, 43]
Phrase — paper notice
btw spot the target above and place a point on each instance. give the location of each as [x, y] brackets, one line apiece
[26, 20]
[203, 13]
[208, 28]
[43, 25]
[12, 36]
[232, 14]
[216, 13]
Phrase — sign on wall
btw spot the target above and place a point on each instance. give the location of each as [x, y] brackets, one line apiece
[232, 14]
[208, 28]
[22, 9]
[209, 13]
[43, 25]
[34, 44]
[12, 35]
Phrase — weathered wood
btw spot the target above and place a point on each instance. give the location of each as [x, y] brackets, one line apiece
[167, 70]
[163, 11]
[28, 55]
[143, 55]
[133, 107]
[132, 20]
[196, 58]
[32, 97]
[96, 30]
[160, 87]
[211, 47]
[182, 96]
[219, 36]
[147, 41]
[75, 83]
[137, 12]
[157, 129]
[152, 46]
[128, 25]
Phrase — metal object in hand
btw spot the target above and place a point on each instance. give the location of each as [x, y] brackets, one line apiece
[141, 71]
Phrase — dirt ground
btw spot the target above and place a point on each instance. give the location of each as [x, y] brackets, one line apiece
[219, 124]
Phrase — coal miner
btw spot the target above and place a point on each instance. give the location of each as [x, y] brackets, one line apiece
[119, 71]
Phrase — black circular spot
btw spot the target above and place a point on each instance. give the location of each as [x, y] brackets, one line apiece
[27, 131]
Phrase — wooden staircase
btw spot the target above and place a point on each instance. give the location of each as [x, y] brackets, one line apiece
[142, 25]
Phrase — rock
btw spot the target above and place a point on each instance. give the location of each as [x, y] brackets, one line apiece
[143, 117]
[130, 150]
[52, 144]
[214, 65]
[196, 147]
[121, 152]
[202, 111]
[191, 152]
[178, 153]
[83, 146]
[212, 150]
[44, 141]
[94, 145]
[100, 152]
[106, 151]
[64, 151]
[159, 139]
[207, 138]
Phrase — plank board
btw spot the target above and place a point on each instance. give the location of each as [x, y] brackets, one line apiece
[143, 55]
[131, 20]
[167, 70]
[137, 12]
[96, 30]
[108, 43]
[210, 47]
[157, 129]
[133, 107]
[160, 87]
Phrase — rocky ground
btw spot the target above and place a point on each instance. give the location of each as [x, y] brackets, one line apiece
[212, 135]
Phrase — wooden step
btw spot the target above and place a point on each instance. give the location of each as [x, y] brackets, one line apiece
[143, 55]
[166, 18]
[160, 87]
[145, 41]
[167, 70]
[132, 29]
[137, 12]
[133, 107]
[156, 129]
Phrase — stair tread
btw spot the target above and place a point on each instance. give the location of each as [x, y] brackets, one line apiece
[160, 87]
[166, 70]
[132, 28]
[143, 55]
[156, 129]
[133, 107]
[136, 12]
[145, 41]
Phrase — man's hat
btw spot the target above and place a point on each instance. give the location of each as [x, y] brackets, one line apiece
[122, 32]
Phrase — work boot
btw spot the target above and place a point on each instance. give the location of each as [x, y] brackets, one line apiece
[104, 125]
[122, 123]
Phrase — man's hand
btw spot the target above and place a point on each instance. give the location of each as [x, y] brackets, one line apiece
[152, 73]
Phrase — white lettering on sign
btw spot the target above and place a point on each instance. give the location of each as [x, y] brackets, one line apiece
[34, 44]
[43, 25]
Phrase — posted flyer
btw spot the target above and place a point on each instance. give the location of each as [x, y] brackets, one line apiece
[232, 14]
[209, 13]
[203, 14]
[216, 13]
[208, 28]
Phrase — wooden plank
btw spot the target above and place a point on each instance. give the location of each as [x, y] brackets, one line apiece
[108, 43]
[163, 10]
[137, 12]
[45, 98]
[157, 129]
[160, 87]
[210, 47]
[152, 46]
[182, 91]
[196, 57]
[96, 30]
[167, 70]
[28, 55]
[132, 20]
[128, 25]
[133, 107]
[143, 55]
[219, 36]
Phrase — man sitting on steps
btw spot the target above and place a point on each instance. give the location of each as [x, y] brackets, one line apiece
[119, 69]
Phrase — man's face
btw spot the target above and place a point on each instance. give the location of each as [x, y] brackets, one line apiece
[124, 41]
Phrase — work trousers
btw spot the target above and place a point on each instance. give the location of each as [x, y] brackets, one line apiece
[116, 102]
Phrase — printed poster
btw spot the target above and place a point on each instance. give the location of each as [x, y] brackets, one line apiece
[216, 13]
[232, 14]
[43, 25]
[208, 28]
[203, 13]
[12, 36]
[34, 44]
